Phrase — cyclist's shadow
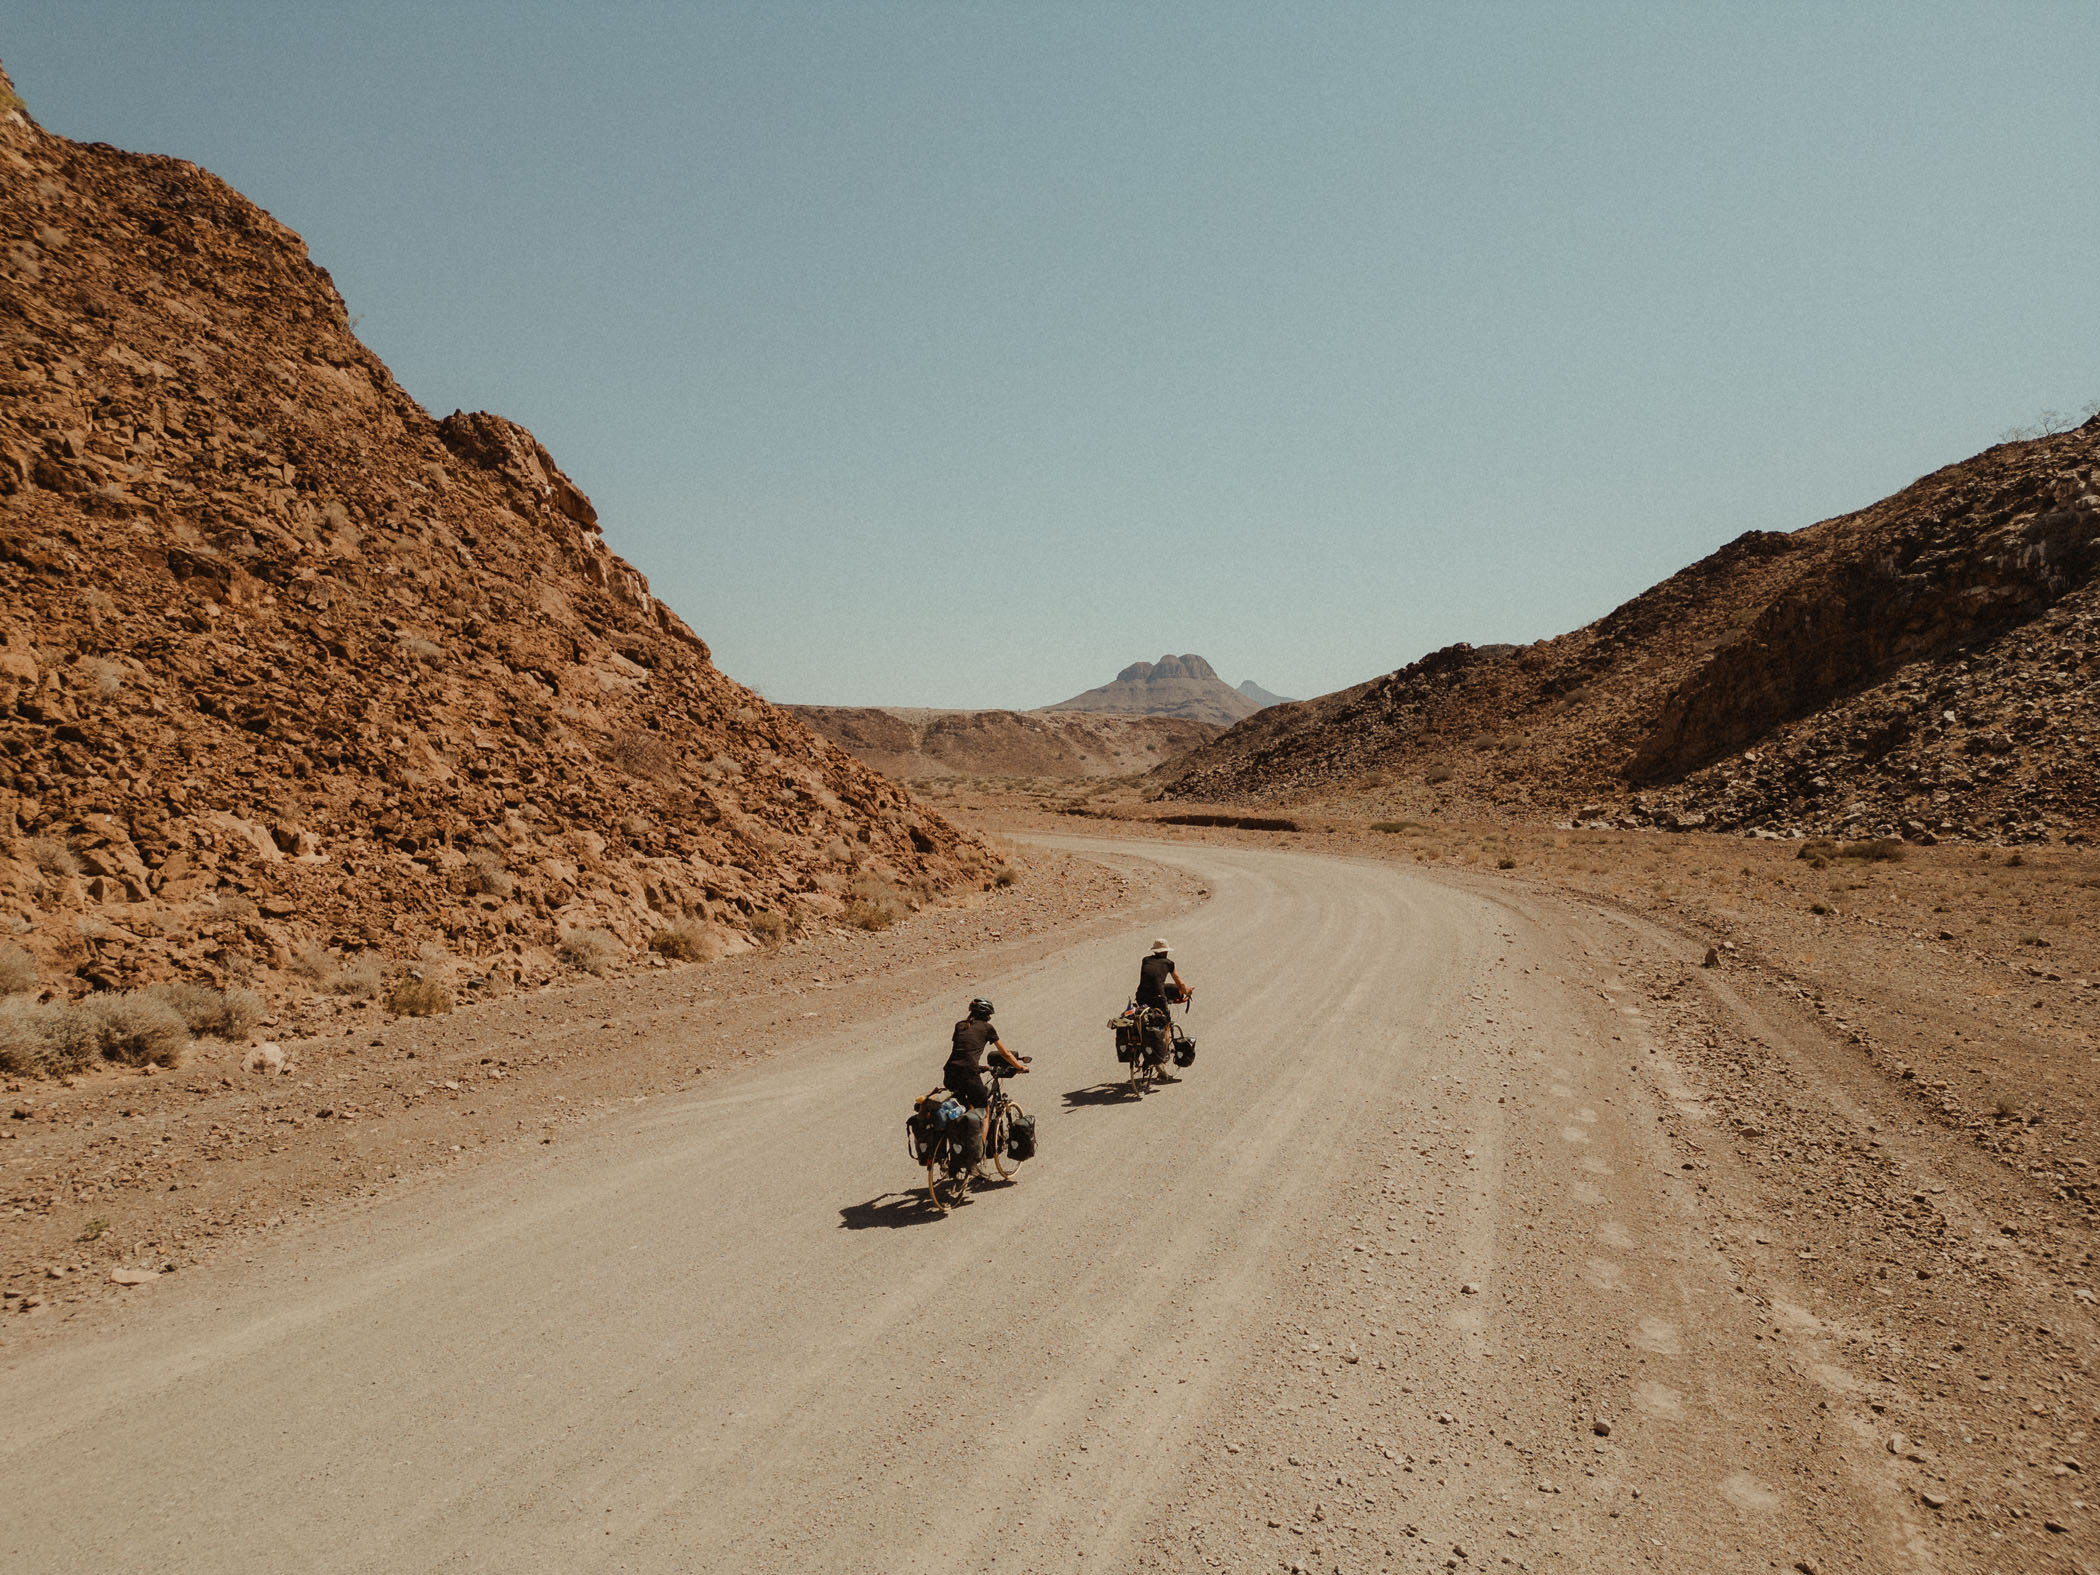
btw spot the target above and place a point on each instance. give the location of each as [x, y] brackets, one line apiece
[1115, 1093]
[891, 1211]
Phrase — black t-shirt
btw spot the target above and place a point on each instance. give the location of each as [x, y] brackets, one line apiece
[972, 1034]
[1153, 974]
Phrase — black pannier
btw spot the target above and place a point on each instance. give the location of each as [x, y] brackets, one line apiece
[1184, 1050]
[1130, 1035]
[922, 1138]
[1020, 1138]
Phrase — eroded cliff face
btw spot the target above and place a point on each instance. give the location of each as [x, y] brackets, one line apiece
[1926, 665]
[286, 665]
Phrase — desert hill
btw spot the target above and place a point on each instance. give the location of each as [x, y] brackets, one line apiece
[1926, 666]
[1183, 686]
[917, 744]
[287, 665]
[1260, 696]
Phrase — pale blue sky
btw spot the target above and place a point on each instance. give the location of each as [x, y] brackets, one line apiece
[961, 354]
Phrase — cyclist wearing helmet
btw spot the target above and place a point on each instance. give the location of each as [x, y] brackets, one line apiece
[1159, 985]
[963, 1076]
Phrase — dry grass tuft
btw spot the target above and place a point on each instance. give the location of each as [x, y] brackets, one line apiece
[224, 1014]
[769, 927]
[419, 997]
[873, 902]
[486, 874]
[684, 943]
[133, 1028]
[51, 856]
[592, 950]
[1005, 875]
[18, 973]
[359, 978]
[1880, 850]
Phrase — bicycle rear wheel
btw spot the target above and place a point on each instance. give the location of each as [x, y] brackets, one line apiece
[1002, 1129]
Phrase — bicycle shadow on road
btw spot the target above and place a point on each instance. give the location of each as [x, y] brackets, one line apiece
[889, 1211]
[1116, 1093]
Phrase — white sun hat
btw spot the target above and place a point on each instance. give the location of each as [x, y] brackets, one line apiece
[1160, 945]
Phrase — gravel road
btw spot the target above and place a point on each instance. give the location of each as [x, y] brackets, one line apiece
[1405, 1273]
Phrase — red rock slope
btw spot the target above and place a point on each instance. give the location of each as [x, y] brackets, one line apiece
[287, 664]
[1928, 666]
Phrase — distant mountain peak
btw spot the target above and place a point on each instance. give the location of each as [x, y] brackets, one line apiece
[1167, 667]
[1262, 697]
[1184, 686]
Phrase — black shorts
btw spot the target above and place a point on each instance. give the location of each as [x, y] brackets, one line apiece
[967, 1084]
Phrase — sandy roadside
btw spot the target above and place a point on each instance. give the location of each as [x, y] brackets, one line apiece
[157, 1172]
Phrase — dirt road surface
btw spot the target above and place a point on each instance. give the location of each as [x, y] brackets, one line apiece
[1416, 1269]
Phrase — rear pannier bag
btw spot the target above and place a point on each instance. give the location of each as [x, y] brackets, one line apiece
[922, 1138]
[1128, 1035]
[1184, 1049]
[1020, 1138]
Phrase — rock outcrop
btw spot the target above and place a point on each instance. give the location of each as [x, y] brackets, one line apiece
[1183, 686]
[1928, 666]
[289, 669]
[920, 744]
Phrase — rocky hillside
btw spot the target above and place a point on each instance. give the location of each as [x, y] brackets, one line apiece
[1184, 686]
[290, 670]
[918, 744]
[1926, 666]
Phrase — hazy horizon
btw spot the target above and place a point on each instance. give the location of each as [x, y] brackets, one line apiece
[928, 355]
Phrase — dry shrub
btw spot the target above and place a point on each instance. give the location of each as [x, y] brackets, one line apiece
[1394, 828]
[240, 909]
[419, 997]
[224, 1014]
[769, 927]
[873, 902]
[1438, 774]
[22, 1041]
[1005, 875]
[683, 943]
[107, 677]
[359, 978]
[1877, 849]
[17, 971]
[132, 1027]
[486, 874]
[592, 950]
[51, 856]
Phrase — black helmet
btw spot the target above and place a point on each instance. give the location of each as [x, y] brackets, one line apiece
[980, 1008]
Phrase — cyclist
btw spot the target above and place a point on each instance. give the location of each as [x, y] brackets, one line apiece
[1159, 985]
[963, 1076]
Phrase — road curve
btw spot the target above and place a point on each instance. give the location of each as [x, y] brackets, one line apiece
[722, 1333]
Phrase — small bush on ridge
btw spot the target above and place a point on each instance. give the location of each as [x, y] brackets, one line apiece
[17, 971]
[415, 997]
[683, 943]
[51, 856]
[592, 950]
[224, 1014]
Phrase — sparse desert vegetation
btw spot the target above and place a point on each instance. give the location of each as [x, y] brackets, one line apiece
[417, 996]
[684, 943]
[592, 950]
